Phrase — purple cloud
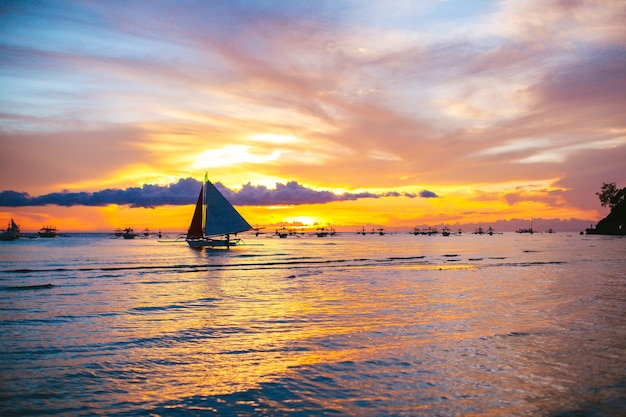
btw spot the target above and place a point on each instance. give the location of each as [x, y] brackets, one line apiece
[427, 194]
[185, 191]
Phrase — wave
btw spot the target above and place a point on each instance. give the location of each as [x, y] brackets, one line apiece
[287, 263]
[27, 287]
[533, 263]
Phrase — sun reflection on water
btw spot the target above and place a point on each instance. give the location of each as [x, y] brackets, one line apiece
[382, 326]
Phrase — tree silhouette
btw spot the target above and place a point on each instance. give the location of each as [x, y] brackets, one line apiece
[610, 195]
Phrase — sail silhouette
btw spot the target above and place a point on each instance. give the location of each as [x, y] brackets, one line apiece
[214, 216]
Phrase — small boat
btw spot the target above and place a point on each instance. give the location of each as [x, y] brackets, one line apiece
[48, 231]
[219, 217]
[321, 232]
[282, 232]
[530, 230]
[426, 232]
[12, 231]
[445, 231]
[129, 233]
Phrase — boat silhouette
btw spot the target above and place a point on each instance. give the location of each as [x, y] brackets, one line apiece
[214, 220]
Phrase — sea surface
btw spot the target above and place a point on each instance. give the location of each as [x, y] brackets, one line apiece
[349, 325]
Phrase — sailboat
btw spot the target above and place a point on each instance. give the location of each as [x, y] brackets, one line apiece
[214, 217]
[12, 232]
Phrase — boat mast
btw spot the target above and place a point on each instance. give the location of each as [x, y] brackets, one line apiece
[205, 203]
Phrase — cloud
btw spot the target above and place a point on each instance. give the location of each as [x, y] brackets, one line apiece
[185, 191]
[510, 93]
[427, 194]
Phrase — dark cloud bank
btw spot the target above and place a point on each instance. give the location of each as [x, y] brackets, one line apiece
[185, 191]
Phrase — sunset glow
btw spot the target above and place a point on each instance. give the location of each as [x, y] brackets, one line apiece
[390, 114]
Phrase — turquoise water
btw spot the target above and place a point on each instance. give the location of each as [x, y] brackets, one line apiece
[393, 325]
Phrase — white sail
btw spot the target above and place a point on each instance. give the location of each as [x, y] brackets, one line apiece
[221, 218]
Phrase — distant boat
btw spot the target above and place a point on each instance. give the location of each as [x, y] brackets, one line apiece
[432, 231]
[321, 232]
[445, 231]
[282, 232]
[530, 230]
[429, 232]
[491, 231]
[48, 231]
[12, 232]
[219, 217]
[128, 233]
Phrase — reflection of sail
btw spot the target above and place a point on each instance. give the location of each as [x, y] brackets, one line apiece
[219, 216]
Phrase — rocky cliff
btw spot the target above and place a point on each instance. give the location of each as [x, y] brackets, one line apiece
[613, 224]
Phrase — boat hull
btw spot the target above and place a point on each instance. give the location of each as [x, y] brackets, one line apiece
[212, 243]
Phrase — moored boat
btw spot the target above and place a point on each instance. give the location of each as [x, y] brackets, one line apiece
[129, 233]
[321, 232]
[12, 231]
[283, 232]
[524, 230]
[48, 231]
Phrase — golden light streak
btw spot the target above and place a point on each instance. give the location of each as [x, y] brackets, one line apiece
[232, 155]
[274, 138]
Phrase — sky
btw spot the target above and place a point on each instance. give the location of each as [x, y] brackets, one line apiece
[389, 113]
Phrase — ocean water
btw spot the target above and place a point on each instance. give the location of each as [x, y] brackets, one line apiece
[349, 325]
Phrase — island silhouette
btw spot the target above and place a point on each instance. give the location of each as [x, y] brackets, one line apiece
[615, 222]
